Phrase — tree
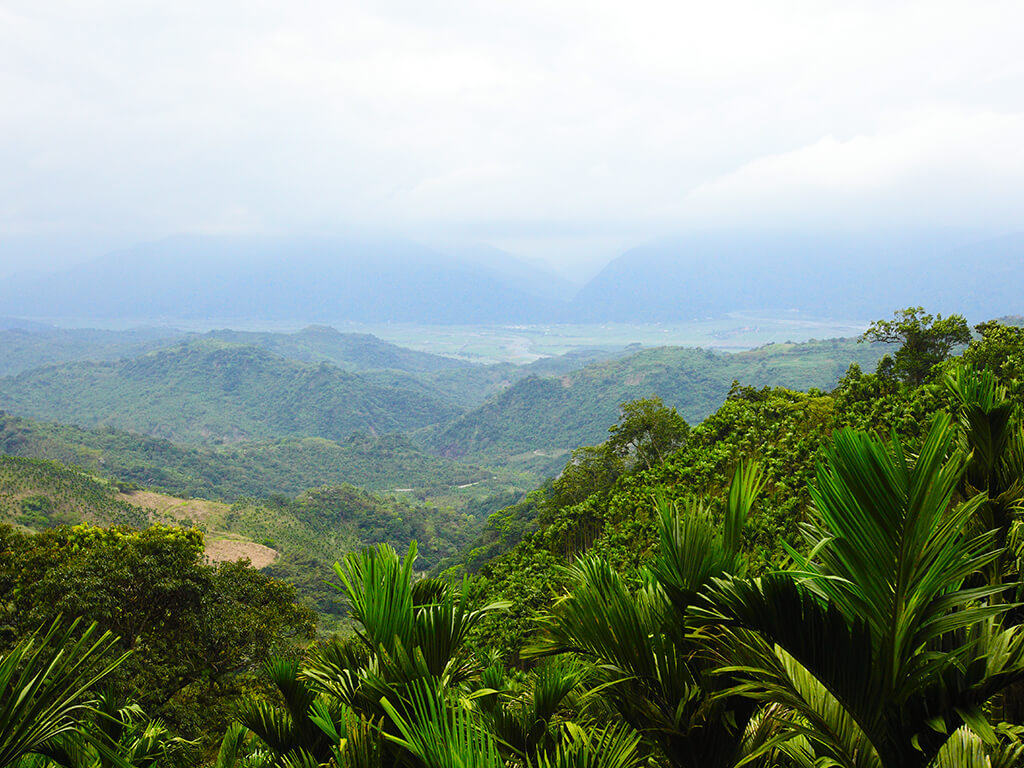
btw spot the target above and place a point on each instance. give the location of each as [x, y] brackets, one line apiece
[647, 431]
[1000, 349]
[592, 468]
[925, 341]
[193, 628]
[880, 642]
[647, 662]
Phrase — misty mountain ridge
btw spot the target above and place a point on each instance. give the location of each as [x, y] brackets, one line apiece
[853, 278]
[32, 345]
[303, 280]
[278, 279]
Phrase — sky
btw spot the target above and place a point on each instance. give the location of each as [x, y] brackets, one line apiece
[563, 129]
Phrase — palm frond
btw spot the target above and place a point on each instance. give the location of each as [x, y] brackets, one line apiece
[44, 684]
[440, 734]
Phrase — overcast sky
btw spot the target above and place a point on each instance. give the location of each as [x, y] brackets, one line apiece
[567, 129]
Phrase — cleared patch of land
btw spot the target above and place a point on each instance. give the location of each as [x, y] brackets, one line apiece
[199, 511]
[208, 515]
[228, 550]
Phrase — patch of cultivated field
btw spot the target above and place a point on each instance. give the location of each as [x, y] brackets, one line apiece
[208, 515]
[199, 511]
[228, 550]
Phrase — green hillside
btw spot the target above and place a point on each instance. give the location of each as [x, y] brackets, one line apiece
[715, 595]
[316, 528]
[308, 531]
[39, 494]
[473, 386]
[540, 414]
[210, 391]
[22, 349]
[350, 351]
[522, 553]
[259, 468]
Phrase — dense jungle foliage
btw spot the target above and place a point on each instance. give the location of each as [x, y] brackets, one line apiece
[226, 472]
[808, 578]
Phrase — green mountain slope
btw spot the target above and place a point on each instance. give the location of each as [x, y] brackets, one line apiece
[22, 349]
[521, 553]
[576, 409]
[308, 532]
[209, 391]
[38, 494]
[350, 351]
[473, 386]
[258, 468]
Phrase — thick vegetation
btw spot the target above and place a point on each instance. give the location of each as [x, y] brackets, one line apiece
[210, 391]
[574, 409]
[252, 468]
[820, 578]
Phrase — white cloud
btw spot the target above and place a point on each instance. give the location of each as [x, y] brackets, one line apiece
[458, 115]
[948, 168]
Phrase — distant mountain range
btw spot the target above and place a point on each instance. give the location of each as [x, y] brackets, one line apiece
[212, 390]
[541, 414]
[862, 278]
[306, 280]
[23, 347]
[196, 277]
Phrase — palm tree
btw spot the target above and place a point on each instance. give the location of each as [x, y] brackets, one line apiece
[879, 644]
[991, 435]
[410, 637]
[44, 686]
[288, 730]
[652, 668]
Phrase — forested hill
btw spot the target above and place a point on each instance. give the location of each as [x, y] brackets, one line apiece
[26, 345]
[351, 351]
[606, 501]
[253, 468]
[538, 414]
[31, 345]
[40, 494]
[207, 391]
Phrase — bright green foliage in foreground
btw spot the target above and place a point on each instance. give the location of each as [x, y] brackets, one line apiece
[194, 630]
[45, 682]
[883, 646]
[521, 549]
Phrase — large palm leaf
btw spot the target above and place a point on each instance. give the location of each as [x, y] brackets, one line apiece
[44, 686]
[990, 433]
[288, 730]
[413, 629]
[654, 672]
[881, 612]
